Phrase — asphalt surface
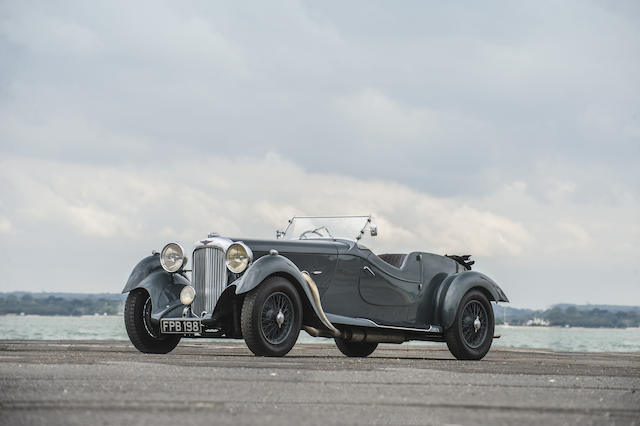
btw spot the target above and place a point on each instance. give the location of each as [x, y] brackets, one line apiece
[93, 383]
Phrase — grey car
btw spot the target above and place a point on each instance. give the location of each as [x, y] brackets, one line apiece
[317, 275]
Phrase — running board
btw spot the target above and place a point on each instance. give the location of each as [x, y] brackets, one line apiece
[363, 322]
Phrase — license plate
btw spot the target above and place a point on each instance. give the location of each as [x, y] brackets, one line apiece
[180, 326]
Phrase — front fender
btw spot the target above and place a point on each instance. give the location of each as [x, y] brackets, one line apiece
[163, 287]
[279, 265]
[455, 286]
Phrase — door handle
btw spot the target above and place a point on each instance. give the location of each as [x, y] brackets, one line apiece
[366, 268]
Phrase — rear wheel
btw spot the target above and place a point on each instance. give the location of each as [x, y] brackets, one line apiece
[271, 317]
[137, 320]
[471, 334]
[355, 349]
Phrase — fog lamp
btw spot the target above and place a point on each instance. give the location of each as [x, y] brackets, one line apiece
[187, 295]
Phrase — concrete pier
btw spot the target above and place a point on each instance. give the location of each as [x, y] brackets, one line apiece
[109, 382]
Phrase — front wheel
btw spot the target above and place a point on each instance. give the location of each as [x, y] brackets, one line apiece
[271, 317]
[471, 334]
[137, 320]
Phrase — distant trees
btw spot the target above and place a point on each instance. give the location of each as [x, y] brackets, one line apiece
[592, 318]
[53, 305]
[574, 317]
[581, 316]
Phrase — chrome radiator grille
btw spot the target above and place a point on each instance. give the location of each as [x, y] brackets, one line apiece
[209, 278]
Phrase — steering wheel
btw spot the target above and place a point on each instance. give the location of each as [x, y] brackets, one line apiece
[311, 231]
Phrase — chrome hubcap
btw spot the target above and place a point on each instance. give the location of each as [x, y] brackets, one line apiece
[477, 324]
[280, 318]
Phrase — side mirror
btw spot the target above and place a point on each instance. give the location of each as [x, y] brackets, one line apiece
[373, 229]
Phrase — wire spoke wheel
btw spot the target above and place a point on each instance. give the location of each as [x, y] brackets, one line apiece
[271, 317]
[474, 324]
[471, 333]
[276, 318]
[355, 349]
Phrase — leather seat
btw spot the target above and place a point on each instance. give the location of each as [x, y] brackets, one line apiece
[404, 267]
[393, 259]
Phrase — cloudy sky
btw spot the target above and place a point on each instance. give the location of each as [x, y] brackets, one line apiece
[507, 130]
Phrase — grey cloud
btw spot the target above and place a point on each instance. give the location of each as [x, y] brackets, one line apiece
[454, 101]
[91, 223]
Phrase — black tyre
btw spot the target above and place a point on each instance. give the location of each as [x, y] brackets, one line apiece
[271, 317]
[144, 336]
[355, 349]
[471, 334]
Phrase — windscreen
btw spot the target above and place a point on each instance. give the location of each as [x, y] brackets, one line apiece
[309, 227]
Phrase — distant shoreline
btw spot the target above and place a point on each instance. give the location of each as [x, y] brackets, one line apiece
[62, 316]
[562, 315]
[530, 327]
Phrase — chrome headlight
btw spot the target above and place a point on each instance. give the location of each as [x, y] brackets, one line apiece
[172, 257]
[238, 257]
[187, 295]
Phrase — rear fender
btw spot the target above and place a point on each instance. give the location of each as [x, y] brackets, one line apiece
[453, 289]
[163, 287]
[269, 265]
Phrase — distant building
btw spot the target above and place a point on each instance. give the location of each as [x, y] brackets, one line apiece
[538, 322]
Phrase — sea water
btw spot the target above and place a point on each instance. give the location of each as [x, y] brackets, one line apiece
[34, 327]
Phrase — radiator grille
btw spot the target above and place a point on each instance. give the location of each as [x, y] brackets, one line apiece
[209, 278]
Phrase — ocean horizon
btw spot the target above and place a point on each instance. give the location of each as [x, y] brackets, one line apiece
[111, 327]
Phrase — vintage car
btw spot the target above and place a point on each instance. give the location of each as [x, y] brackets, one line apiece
[318, 276]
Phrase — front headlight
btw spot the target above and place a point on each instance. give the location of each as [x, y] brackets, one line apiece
[187, 295]
[172, 257]
[238, 257]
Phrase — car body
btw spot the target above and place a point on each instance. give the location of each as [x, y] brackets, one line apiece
[266, 290]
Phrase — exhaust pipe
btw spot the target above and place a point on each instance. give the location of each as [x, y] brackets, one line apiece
[373, 336]
[316, 298]
[353, 335]
[319, 333]
[358, 335]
